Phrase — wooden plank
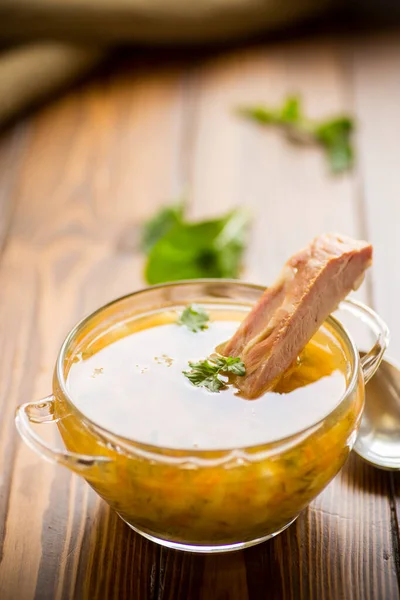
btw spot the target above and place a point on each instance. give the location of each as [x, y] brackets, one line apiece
[12, 147]
[97, 163]
[341, 547]
[376, 72]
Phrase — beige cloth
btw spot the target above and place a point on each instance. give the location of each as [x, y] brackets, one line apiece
[50, 28]
[116, 21]
[29, 73]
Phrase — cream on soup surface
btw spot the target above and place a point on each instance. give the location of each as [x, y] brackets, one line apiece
[132, 384]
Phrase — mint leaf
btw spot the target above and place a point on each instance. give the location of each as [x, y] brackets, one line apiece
[260, 114]
[291, 110]
[156, 227]
[194, 317]
[204, 249]
[333, 135]
[340, 156]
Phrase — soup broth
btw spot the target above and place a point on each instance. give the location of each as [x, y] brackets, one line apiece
[133, 385]
[170, 473]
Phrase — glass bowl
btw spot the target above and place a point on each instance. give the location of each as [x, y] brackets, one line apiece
[198, 500]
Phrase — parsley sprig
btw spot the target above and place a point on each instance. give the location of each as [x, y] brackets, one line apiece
[207, 373]
[333, 135]
[194, 317]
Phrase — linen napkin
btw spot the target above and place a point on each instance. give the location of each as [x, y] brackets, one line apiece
[64, 39]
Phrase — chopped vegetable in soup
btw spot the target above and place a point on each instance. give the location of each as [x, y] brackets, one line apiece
[133, 386]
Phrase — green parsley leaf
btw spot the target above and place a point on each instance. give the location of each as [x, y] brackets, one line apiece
[156, 227]
[207, 373]
[229, 364]
[333, 135]
[213, 384]
[194, 317]
[199, 250]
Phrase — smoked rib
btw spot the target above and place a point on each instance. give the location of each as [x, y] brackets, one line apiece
[311, 285]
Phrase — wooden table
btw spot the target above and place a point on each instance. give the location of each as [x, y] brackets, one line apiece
[76, 181]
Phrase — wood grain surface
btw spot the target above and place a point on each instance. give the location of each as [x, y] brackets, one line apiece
[76, 181]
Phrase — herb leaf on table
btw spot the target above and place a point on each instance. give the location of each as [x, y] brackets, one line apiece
[333, 135]
[190, 250]
[156, 227]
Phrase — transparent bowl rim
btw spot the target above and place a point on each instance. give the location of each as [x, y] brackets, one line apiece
[253, 452]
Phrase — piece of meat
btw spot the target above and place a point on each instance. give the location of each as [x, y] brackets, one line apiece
[310, 287]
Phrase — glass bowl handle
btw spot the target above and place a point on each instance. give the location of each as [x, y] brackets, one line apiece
[42, 411]
[371, 360]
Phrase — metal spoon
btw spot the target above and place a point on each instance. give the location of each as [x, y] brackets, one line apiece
[378, 440]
